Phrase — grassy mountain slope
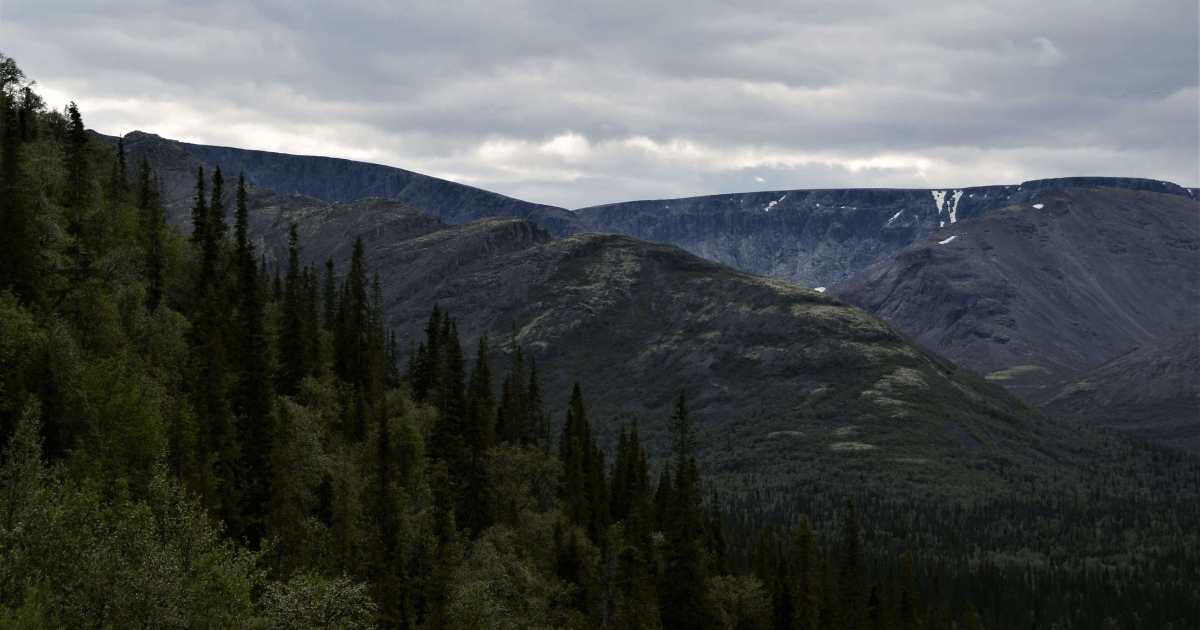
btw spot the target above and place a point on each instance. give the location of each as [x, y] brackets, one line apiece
[1036, 292]
[1152, 392]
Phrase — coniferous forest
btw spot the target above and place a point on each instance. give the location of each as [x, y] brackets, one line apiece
[194, 436]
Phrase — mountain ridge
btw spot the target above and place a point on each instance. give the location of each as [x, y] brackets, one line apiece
[1151, 392]
[1035, 292]
[816, 238]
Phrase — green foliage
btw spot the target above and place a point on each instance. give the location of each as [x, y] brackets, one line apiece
[115, 562]
[311, 602]
[128, 436]
[20, 340]
[743, 601]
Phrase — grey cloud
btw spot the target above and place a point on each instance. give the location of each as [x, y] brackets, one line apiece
[441, 85]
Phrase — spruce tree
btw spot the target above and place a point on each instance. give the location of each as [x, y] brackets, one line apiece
[352, 336]
[215, 231]
[200, 210]
[474, 510]
[254, 395]
[829, 612]
[715, 542]
[684, 599]
[439, 585]
[78, 183]
[534, 407]
[389, 576]
[295, 345]
[938, 615]
[18, 247]
[512, 415]
[853, 582]
[150, 212]
[216, 207]
[448, 397]
[423, 371]
[907, 606]
[313, 317]
[583, 490]
[329, 298]
[209, 380]
[877, 609]
[804, 574]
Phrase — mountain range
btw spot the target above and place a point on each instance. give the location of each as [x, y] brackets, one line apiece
[817, 238]
[1005, 280]
[1033, 293]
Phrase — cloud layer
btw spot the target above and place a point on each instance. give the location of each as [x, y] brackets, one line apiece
[576, 104]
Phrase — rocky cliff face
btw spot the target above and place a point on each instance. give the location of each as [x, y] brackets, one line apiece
[1040, 290]
[820, 238]
[1152, 392]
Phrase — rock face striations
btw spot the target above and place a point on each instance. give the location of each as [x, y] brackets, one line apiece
[820, 238]
[1040, 290]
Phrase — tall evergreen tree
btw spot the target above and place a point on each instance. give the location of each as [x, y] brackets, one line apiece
[254, 394]
[684, 596]
[215, 232]
[907, 607]
[329, 298]
[18, 248]
[217, 208]
[389, 575]
[217, 434]
[534, 408]
[715, 542]
[448, 397]
[584, 490]
[353, 334]
[512, 415]
[78, 181]
[423, 372]
[473, 506]
[804, 574]
[150, 212]
[853, 581]
[295, 344]
[439, 585]
[200, 210]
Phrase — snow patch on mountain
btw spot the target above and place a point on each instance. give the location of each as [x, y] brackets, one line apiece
[940, 197]
[948, 240]
[1038, 206]
[895, 217]
[768, 208]
[954, 210]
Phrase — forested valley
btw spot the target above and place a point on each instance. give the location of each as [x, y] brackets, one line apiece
[196, 437]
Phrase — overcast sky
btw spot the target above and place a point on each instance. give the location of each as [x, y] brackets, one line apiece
[576, 104]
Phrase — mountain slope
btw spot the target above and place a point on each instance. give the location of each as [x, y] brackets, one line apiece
[817, 238]
[334, 179]
[1033, 293]
[1152, 392]
[820, 238]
